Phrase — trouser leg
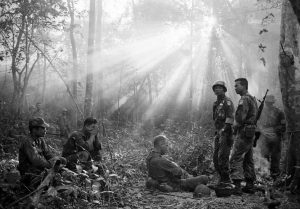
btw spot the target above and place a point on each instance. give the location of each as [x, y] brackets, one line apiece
[241, 148]
[248, 166]
[216, 153]
[223, 157]
[275, 158]
[190, 184]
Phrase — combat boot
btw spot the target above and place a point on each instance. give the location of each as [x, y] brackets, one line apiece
[237, 190]
[249, 188]
[224, 181]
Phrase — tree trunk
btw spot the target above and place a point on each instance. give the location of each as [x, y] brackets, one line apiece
[14, 55]
[74, 55]
[44, 77]
[289, 78]
[296, 8]
[90, 60]
[150, 89]
[191, 68]
[100, 109]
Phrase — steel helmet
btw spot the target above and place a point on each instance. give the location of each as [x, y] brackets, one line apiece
[219, 83]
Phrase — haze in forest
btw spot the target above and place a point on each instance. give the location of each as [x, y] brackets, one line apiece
[150, 58]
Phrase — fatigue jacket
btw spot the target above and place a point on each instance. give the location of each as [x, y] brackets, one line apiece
[34, 155]
[223, 112]
[78, 142]
[246, 111]
[162, 169]
[272, 117]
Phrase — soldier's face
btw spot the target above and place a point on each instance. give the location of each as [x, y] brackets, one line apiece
[39, 131]
[238, 87]
[164, 147]
[219, 90]
[91, 128]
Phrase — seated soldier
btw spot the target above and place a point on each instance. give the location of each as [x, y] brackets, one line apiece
[83, 145]
[34, 154]
[165, 174]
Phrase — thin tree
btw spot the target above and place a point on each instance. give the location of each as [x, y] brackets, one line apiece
[74, 53]
[90, 56]
[100, 109]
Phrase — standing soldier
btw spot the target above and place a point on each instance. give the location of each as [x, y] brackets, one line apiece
[223, 110]
[272, 127]
[64, 124]
[241, 161]
[38, 111]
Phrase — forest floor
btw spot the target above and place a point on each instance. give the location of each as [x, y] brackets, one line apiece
[125, 176]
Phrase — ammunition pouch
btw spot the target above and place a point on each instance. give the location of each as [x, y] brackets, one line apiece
[249, 131]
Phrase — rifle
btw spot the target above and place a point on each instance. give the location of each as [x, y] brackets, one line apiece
[260, 109]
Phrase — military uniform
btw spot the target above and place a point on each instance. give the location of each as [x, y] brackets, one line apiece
[241, 161]
[271, 125]
[79, 142]
[167, 172]
[34, 156]
[64, 125]
[38, 113]
[223, 111]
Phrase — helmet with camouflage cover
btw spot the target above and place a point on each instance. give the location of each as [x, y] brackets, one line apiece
[219, 83]
[270, 99]
[38, 122]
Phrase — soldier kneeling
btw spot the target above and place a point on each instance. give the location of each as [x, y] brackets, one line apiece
[165, 174]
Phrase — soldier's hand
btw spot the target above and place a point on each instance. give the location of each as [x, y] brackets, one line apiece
[83, 156]
[228, 128]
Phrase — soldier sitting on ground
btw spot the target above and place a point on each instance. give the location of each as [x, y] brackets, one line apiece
[34, 154]
[83, 145]
[165, 174]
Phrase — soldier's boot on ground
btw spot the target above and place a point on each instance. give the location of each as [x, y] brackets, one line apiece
[237, 187]
[224, 181]
[249, 188]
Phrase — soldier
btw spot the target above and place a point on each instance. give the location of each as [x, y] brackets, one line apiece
[64, 124]
[31, 111]
[223, 110]
[165, 174]
[271, 126]
[38, 112]
[241, 161]
[34, 154]
[83, 145]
